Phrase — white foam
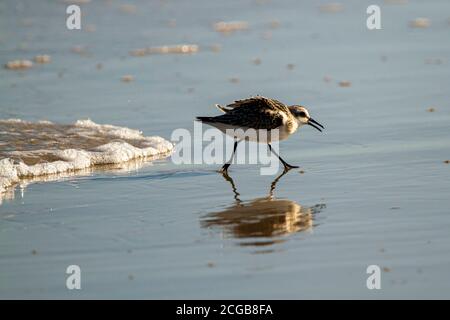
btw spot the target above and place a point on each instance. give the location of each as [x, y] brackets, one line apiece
[122, 145]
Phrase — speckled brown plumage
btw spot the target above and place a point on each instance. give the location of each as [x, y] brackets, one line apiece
[255, 112]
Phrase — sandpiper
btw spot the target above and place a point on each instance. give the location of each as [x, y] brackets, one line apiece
[261, 114]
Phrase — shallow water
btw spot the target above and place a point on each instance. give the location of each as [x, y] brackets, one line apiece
[374, 189]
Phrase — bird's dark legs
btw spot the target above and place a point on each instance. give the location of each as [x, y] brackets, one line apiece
[287, 166]
[226, 165]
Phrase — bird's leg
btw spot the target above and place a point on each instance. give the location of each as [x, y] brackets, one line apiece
[287, 166]
[226, 165]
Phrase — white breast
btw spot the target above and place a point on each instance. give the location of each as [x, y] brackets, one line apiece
[286, 130]
[261, 136]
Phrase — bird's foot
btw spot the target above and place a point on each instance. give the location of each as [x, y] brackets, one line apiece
[288, 167]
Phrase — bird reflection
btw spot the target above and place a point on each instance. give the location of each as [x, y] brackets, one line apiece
[262, 221]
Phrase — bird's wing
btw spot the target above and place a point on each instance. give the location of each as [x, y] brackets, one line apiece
[256, 112]
[259, 102]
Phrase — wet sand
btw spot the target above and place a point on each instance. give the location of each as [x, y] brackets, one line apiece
[374, 187]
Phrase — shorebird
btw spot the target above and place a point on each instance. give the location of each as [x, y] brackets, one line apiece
[261, 114]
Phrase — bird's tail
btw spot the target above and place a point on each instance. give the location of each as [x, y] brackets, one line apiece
[211, 119]
[204, 119]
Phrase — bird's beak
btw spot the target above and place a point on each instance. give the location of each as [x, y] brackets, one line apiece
[313, 123]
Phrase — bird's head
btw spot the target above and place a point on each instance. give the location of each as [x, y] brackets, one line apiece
[302, 116]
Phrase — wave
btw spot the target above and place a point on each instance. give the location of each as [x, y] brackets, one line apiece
[44, 148]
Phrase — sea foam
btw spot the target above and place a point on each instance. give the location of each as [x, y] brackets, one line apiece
[32, 149]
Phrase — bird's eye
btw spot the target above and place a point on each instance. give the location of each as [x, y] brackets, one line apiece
[302, 114]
